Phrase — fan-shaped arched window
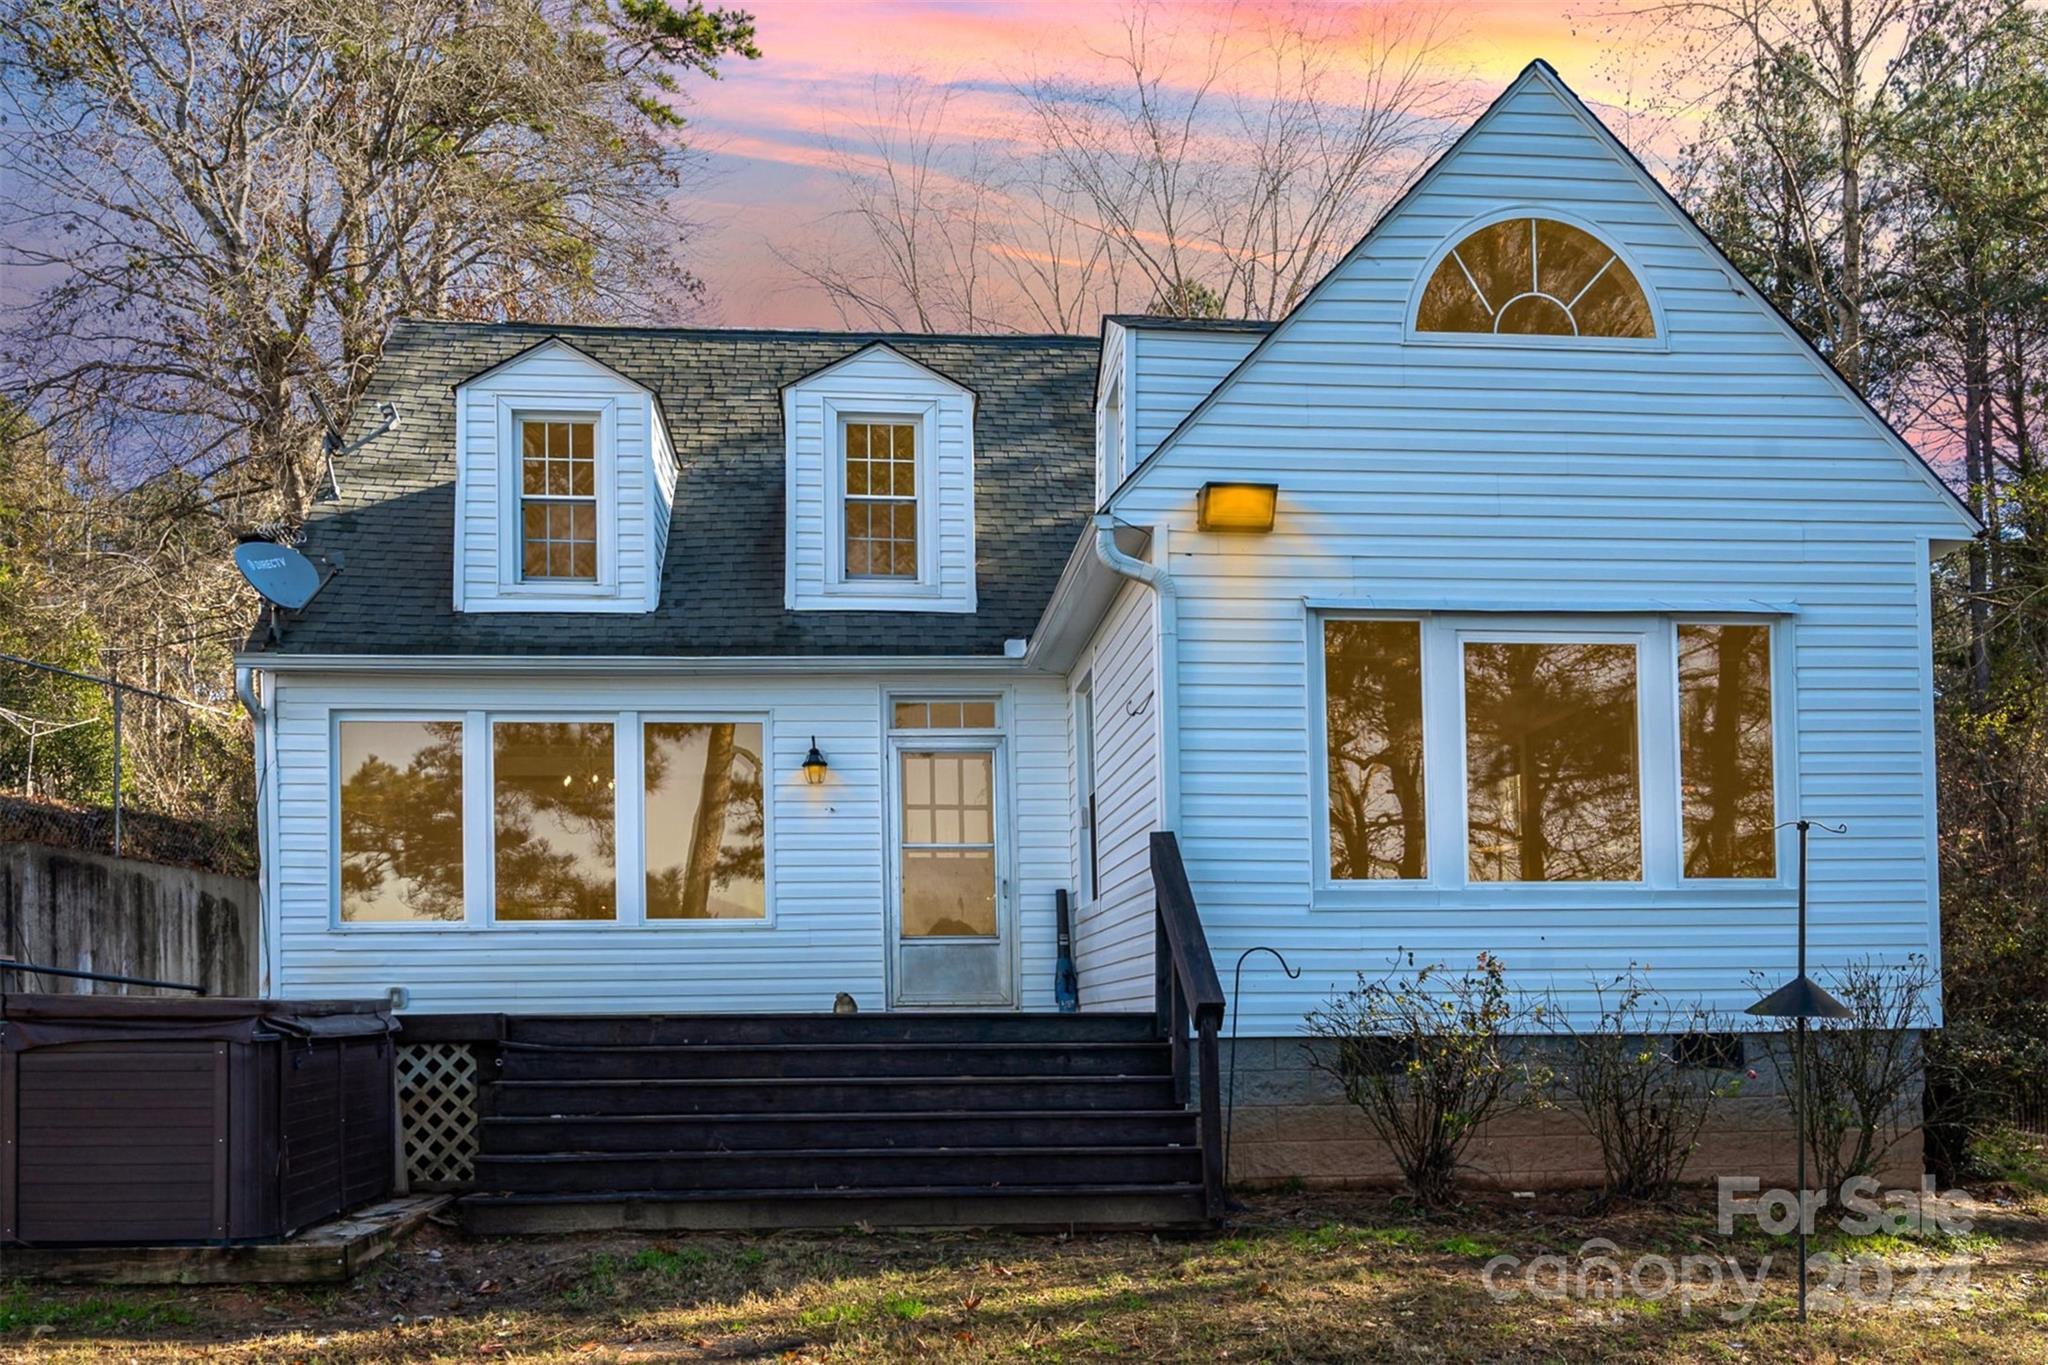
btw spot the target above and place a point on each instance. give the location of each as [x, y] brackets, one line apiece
[1534, 277]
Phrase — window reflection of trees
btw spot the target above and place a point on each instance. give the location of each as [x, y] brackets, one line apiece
[1373, 687]
[1724, 720]
[705, 821]
[1552, 783]
[401, 820]
[555, 811]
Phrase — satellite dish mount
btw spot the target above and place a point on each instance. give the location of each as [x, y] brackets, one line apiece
[285, 578]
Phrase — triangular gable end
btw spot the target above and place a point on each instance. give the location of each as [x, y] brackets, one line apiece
[1541, 73]
[555, 341]
[893, 354]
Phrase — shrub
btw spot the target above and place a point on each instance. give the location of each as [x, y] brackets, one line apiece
[1861, 1070]
[1623, 1080]
[1421, 1054]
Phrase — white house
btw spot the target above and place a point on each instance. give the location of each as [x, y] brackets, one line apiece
[1581, 574]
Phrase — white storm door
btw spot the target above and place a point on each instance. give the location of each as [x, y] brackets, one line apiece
[949, 915]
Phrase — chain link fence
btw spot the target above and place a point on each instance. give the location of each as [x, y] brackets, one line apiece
[103, 765]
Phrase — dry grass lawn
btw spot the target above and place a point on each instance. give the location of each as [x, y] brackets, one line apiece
[1311, 1277]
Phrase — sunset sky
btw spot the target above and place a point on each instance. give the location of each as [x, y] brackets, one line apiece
[765, 130]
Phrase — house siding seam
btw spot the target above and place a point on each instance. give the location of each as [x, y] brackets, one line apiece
[827, 855]
[1720, 464]
[1113, 936]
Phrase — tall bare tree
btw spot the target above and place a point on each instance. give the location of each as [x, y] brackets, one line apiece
[230, 200]
[1208, 171]
[1233, 167]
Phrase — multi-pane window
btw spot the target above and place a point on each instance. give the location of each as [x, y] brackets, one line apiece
[1373, 695]
[944, 713]
[949, 844]
[1534, 277]
[1550, 755]
[881, 499]
[554, 804]
[1724, 751]
[401, 820]
[705, 820]
[558, 498]
[1552, 783]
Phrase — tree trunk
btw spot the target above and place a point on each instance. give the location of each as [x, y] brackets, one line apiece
[707, 833]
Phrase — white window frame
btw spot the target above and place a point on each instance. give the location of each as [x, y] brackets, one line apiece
[1413, 335]
[1449, 883]
[479, 818]
[700, 716]
[340, 716]
[923, 413]
[1088, 862]
[556, 593]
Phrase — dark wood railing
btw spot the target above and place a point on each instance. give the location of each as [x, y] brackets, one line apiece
[1186, 990]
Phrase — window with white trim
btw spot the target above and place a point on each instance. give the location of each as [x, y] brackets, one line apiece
[558, 499]
[1469, 751]
[597, 819]
[881, 494]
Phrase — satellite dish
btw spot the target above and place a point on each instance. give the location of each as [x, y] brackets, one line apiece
[281, 574]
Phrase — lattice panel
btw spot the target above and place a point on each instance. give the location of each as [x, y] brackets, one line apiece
[437, 1094]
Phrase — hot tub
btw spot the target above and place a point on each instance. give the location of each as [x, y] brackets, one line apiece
[146, 1120]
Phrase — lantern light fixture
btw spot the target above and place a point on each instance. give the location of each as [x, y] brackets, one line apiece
[814, 765]
[1236, 506]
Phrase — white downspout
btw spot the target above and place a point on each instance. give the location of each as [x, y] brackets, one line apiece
[245, 688]
[1161, 583]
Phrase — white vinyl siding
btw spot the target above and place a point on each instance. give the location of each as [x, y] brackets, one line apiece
[826, 856]
[1723, 467]
[1113, 931]
[1172, 370]
[636, 483]
[878, 385]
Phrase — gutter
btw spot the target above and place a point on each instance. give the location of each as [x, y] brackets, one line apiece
[1162, 585]
[665, 665]
[266, 939]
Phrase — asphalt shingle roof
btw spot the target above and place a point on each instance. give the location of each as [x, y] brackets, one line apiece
[722, 579]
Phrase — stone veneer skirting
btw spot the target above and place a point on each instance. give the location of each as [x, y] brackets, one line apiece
[1291, 1122]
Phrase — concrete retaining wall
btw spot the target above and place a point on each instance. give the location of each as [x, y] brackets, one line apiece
[87, 911]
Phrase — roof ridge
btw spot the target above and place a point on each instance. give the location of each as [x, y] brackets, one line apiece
[1018, 339]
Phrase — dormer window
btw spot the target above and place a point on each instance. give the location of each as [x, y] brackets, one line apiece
[558, 499]
[881, 499]
[564, 484]
[881, 486]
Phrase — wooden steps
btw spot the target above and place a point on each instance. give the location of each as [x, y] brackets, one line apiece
[823, 1120]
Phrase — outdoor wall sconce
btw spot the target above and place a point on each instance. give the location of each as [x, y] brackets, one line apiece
[1236, 506]
[814, 765]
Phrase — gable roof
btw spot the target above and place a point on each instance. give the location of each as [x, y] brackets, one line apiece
[886, 348]
[1541, 72]
[722, 577]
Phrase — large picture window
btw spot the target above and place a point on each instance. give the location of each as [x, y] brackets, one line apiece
[1532, 750]
[1372, 674]
[401, 820]
[1552, 785]
[554, 807]
[1725, 750]
[705, 820]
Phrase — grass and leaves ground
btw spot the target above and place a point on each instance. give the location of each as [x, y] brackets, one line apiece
[1304, 1277]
